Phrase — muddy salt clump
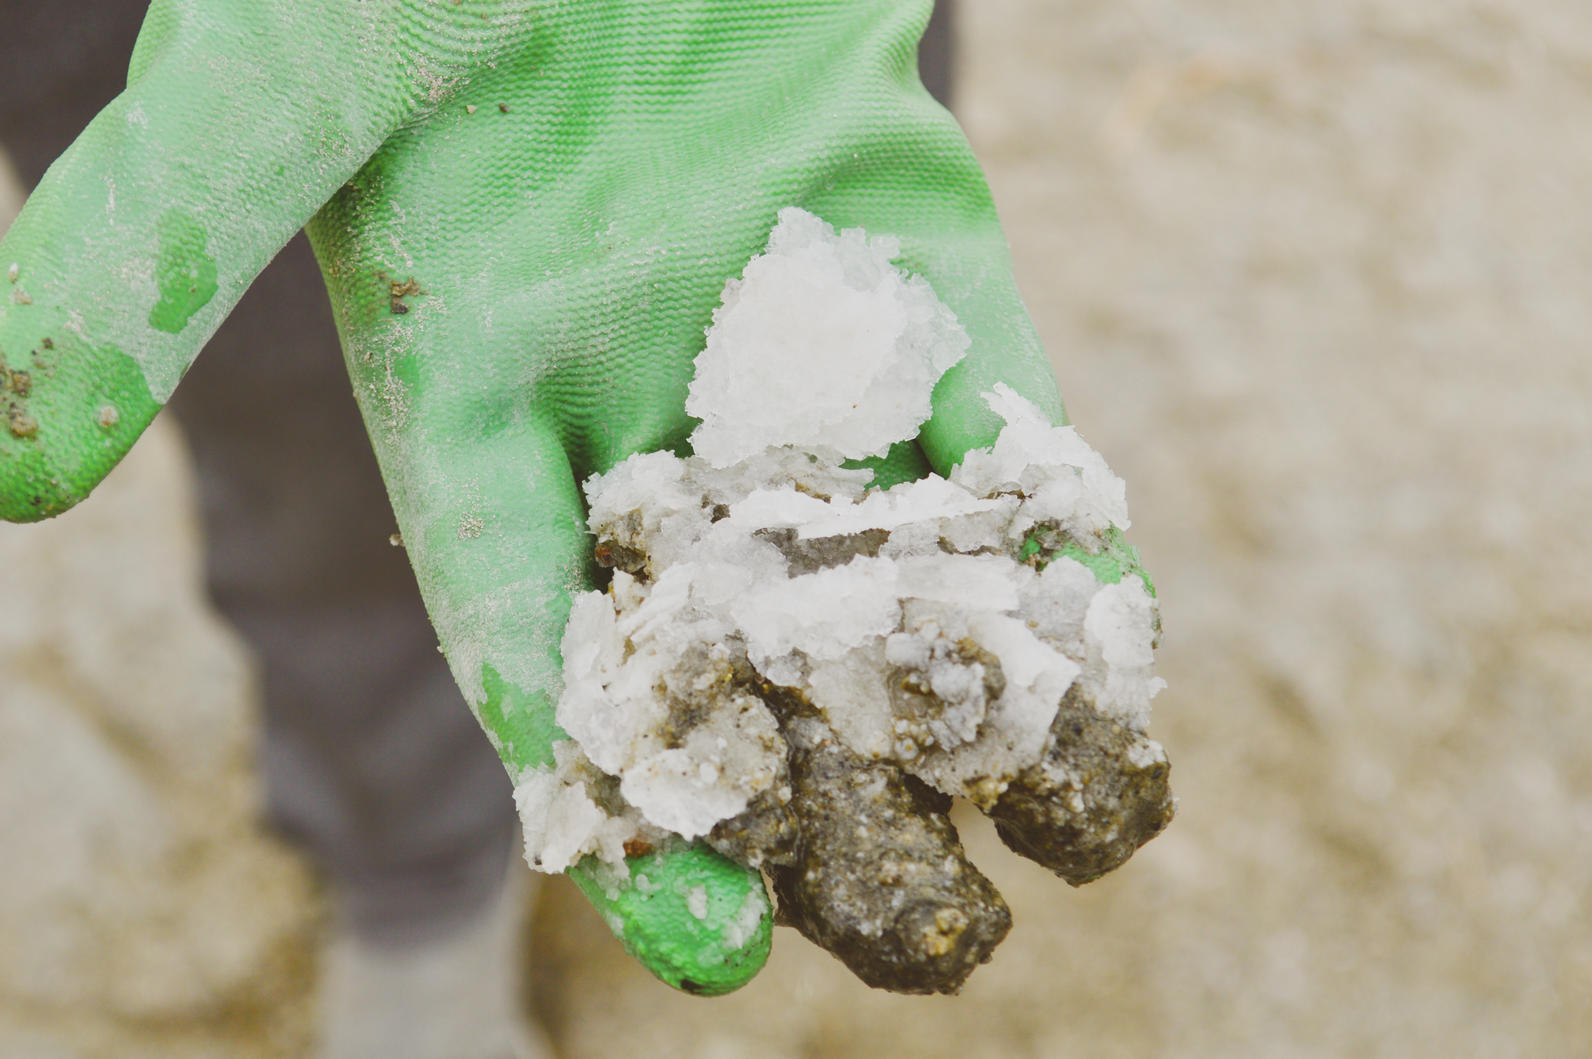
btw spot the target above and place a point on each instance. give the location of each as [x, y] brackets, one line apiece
[774, 624]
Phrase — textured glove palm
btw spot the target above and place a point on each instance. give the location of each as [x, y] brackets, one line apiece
[525, 211]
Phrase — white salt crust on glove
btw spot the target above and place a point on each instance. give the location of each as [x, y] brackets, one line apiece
[763, 561]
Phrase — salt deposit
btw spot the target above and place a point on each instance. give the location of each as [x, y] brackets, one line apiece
[933, 628]
[847, 349]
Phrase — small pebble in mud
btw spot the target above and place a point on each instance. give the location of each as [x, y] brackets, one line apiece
[109, 416]
[395, 539]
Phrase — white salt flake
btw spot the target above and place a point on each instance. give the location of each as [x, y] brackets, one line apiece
[821, 614]
[1119, 634]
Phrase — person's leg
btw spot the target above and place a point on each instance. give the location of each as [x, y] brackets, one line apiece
[371, 758]
[937, 52]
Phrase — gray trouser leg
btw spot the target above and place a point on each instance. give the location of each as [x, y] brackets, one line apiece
[371, 758]
[937, 52]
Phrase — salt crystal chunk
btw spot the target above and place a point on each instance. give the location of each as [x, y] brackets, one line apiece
[1012, 737]
[562, 822]
[914, 538]
[603, 726]
[977, 582]
[779, 467]
[671, 791]
[1119, 633]
[928, 500]
[787, 670]
[906, 650]
[533, 796]
[1119, 621]
[822, 614]
[651, 480]
[573, 822]
[848, 691]
[729, 758]
[971, 531]
[589, 645]
[668, 599]
[1027, 661]
[1068, 482]
[626, 592]
[780, 509]
[827, 342]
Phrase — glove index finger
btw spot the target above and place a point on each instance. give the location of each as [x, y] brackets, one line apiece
[240, 121]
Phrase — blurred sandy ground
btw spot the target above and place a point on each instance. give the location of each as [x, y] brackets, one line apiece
[142, 914]
[1315, 277]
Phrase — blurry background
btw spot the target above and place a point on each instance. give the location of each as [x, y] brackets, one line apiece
[1315, 279]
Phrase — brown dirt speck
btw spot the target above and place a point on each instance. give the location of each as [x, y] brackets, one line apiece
[397, 291]
[21, 423]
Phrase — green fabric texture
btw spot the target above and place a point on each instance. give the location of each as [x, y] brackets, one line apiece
[525, 211]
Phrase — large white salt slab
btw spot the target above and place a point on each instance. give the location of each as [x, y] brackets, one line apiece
[821, 344]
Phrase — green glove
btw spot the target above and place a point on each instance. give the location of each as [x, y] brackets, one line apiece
[525, 211]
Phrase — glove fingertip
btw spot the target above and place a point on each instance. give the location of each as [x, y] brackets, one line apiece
[697, 921]
[68, 414]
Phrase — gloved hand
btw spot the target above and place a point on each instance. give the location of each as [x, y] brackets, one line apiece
[525, 211]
